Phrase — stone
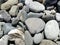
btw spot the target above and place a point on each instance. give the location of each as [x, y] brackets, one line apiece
[26, 8]
[51, 29]
[47, 42]
[28, 38]
[27, 2]
[4, 15]
[14, 10]
[4, 40]
[41, 1]
[36, 6]
[38, 38]
[58, 6]
[7, 27]
[35, 25]
[48, 17]
[50, 2]
[15, 33]
[20, 5]
[58, 16]
[50, 7]
[31, 14]
[22, 15]
[5, 6]
[8, 4]
[15, 21]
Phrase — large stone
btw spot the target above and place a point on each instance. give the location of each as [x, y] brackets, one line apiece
[35, 25]
[4, 15]
[47, 42]
[22, 15]
[14, 10]
[38, 38]
[36, 6]
[28, 38]
[51, 29]
[58, 16]
[7, 27]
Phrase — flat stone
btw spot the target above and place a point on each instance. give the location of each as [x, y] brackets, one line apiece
[22, 15]
[28, 38]
[51, 29]
[14, 10]
[35, 25]
[58, 16]
[38, 38]
[36, 6]
[31, 14]
[7, 27]
[47, 42]
[4, 15]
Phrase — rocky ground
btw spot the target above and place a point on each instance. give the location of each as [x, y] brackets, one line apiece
[29, 22]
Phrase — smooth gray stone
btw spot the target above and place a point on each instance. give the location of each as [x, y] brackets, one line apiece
[7, 27]
[28, 38]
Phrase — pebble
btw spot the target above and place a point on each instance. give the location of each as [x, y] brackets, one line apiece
[17, 33]
[4, 15]
[47, 42]
[14, 21]
[26, 8]
[7, 27]
[27, 2]
[22, 15]
[36, 6]
[38, 38]
[35, 25]
[8, 4]
[32, 14]
[58, 16]
[14, 10]
[28, 38]
[4, 40]
[20, 5]
[51, 29]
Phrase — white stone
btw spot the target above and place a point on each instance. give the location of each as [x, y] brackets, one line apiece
[38, 38]
[36, 6]
[14, 10]
[52, 30]
[35, 25]
[58, 16]
[27, 2]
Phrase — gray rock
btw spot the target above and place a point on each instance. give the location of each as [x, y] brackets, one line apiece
[4, 40]
[7, 27]
[47, 42]
[14, 10]
[4, 15]
[51, 29]
[14, 21]
[38, 38]
[36, 6]
[35, 25]
[26, 8]
[28, 38]
[22, 15]
[58, 16]
[31, 14]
